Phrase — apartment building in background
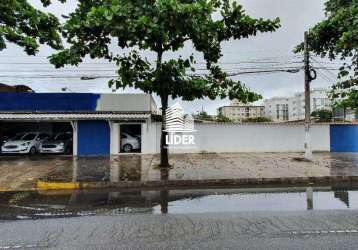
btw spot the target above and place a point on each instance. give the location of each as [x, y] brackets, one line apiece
[282, 109]
[277, 108]
[238, 111]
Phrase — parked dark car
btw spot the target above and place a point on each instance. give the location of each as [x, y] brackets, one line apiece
[60, 143]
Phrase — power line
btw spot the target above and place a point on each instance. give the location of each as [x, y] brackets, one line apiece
[92, 77]
[113, 70]
[58, 70]
[272, 59]
[199, 63]
[324, 76]
[294, 70]
[329, 72]
[263, 65]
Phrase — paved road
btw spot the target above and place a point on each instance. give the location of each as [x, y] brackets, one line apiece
[253, 230]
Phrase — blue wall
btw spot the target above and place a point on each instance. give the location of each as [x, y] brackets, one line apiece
[93, 138]
[344, 138]
[48, 101]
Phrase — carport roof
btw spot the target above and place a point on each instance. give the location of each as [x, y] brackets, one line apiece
[91, 115]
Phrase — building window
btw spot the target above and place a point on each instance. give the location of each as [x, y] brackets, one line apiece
[247, 112]
[285, 112]
[278, 111]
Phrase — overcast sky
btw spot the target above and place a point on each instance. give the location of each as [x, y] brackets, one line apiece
[296, 17]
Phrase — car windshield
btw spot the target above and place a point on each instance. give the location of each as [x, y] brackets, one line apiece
[61, 137]
[28, 137]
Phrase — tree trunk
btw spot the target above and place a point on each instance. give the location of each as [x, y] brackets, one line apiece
[164, 159]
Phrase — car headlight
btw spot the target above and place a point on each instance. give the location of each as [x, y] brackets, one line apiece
[26, 143]
[61, 145]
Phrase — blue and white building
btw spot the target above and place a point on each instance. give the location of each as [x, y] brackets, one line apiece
[95, 119]
[98, 121]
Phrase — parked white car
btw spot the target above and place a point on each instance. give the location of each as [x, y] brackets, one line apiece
[129, 143]
[60, 143]
[24, 143]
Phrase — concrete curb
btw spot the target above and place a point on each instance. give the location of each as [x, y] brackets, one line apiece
[41, 185]
[179, 184]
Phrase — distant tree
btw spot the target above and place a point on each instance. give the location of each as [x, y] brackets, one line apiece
[203, 116]
[349, 101]
[26, 26]
[162, 26]
[222, 118]
[323, 115]
[258, 119]
[336, 37]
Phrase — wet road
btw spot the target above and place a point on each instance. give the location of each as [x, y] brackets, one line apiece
[332, 229]
[275, 218]
[33, 205]
[22, 173]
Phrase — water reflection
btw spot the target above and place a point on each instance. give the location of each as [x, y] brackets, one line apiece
[115, 169]
[164, 198]
[187, 167]
[126, 168]
[52, 204]
[342, 164]
[164, 194]
[309, 195]
[342, 195]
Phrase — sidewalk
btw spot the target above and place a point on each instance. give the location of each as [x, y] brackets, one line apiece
[56, 172]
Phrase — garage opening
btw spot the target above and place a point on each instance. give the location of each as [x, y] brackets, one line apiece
[130, 138]
[36, 138]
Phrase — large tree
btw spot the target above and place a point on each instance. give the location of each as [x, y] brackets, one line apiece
[337, 38]
[26, 26]
[162, 26]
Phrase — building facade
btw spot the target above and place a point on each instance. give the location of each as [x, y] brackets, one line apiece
[277, 108]
[281, 109]
[238, 111]
[97, 122]
[341, 114]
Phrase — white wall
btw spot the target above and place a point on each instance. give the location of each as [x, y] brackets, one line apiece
[115, 137]
[151, 137]
[126, 102]
[256, 138]
[74, 138]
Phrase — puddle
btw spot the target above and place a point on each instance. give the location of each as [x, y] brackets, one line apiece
[264, 202]
[56, 204]
[16, 170]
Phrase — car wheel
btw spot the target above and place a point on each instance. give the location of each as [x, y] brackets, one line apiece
[127, 148]
[32, 151]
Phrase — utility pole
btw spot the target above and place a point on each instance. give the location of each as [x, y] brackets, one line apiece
[308, 148]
